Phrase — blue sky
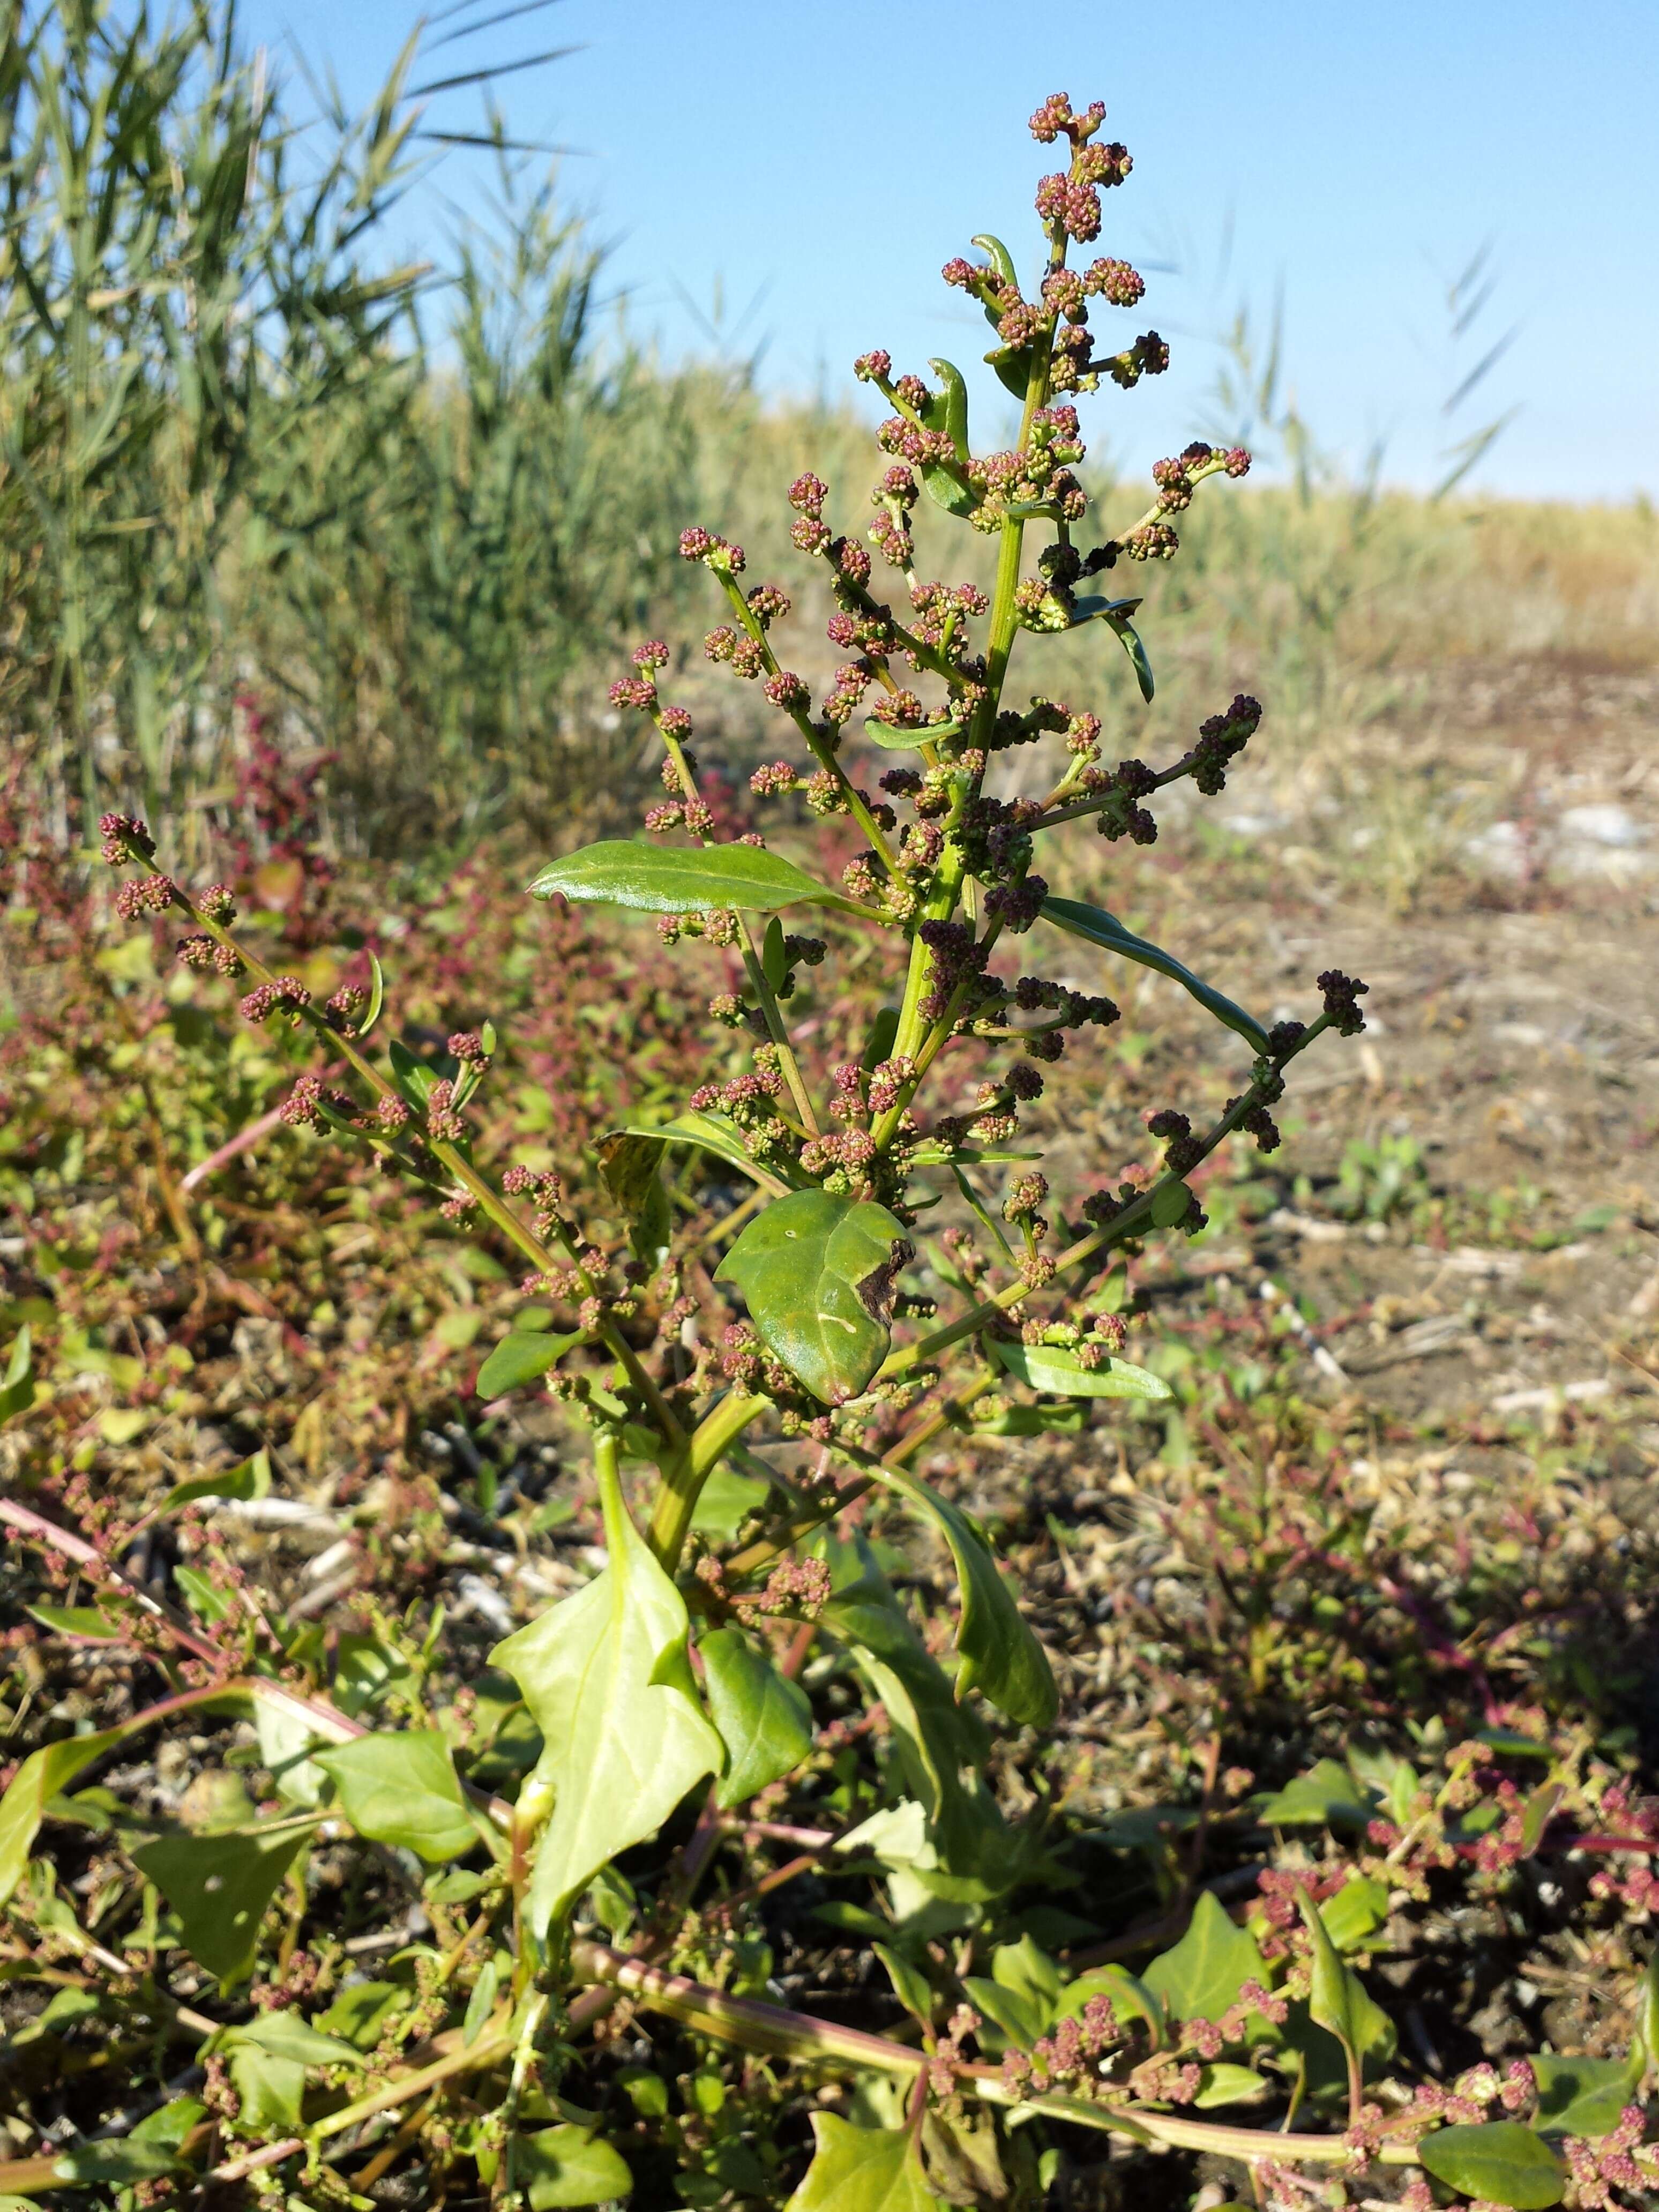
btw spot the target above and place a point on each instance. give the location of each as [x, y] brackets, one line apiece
[812, 162]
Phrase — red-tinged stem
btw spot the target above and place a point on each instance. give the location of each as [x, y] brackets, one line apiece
[243, 1141]
[774, 2029]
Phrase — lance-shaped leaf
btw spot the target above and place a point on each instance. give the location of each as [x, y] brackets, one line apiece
[523, 1355]
[683, 878]
[606, 1678]
[1497, 2162]
[863, 2169]
[38, 1779]
[1336, 2000]
[710, 1133]
[1050, 1367]
[947, 410]
[1115, 613]
[1000, 1654]
[1100, 928]
[251, 1479]
[819, 1274]
[17, 1384]
[219, 1886]
[764, 1719]
[400, 1788]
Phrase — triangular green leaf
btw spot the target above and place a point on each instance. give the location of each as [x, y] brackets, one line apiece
[1201, 1977]
[863, 2169]
[607, 1677]
[566, 2166]
[219, 1886]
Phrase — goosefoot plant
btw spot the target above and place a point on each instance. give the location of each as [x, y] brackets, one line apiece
[461, 2066]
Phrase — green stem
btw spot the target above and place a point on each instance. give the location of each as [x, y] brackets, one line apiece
[684, 1475]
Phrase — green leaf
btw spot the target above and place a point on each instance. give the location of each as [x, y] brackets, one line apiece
[819, 1274]
[1327, 1795]
[1201, 1977]
[402, 1790]
[285, 2035]
[359, 2012]
[764, 1719]
[522, 1356]
[1013, 2011]
[43, 1774]
[376, 999]
[999, 259]
[76, 1620]
[1100, 928]
[1227, 2084]
[63, 2009]
[219, 1886]
[774, 963]
[271, 2090]
[1583, 2096]
[17, 1389]
[567, 2164]
[725, 1501]
[1499, 2161]
[941, 1747]
[1355, 1912]
[206, 1603]
[1540, 1810]
[948, 408]
[863, 2169]
[1336, 1998]
[366, 1671]
[1647, 2006]
[910, 1986]
[1129, 638]
[629, 1165]
[117, 2164]
[481, 2003]
[607, 1677]
[1131, 1998]
[171, 2123]
[1030, 1421]
[1000, 1655]
[251, 1479]
[683, 878]
[710, 1133]
[1026, 1969]
[1172, 1203]
[1062, 1374]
